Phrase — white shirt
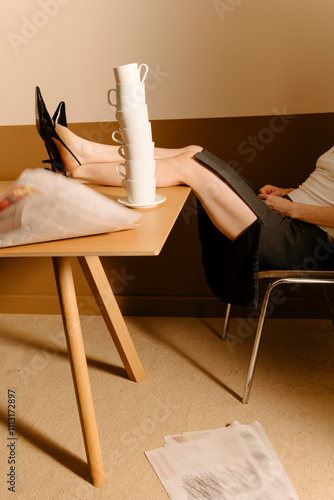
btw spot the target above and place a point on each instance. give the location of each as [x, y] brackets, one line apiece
[318, 189]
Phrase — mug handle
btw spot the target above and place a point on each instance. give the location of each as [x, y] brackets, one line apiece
[145, 73]
[121, 152]
[119, 172]
[123, 184]
[115, 132]
[109, 99]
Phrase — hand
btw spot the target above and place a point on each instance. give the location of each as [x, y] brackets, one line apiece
[269, 189]
[277, 204]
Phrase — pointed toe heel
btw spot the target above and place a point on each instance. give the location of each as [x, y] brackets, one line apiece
[60, 115]
[46, 129]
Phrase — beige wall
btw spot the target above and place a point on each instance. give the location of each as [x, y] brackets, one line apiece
[208, 58]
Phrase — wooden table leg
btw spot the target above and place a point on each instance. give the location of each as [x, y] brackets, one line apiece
[73, 333]
[112, 315]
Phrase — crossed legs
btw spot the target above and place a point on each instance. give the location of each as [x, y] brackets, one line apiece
[230, 214]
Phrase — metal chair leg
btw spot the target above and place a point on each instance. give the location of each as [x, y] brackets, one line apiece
[259, 330]
[226, 322]
[256, 345]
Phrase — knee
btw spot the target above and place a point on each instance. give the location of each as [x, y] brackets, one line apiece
[195, 149]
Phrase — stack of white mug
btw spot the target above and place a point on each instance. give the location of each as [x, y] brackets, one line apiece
[134, 136]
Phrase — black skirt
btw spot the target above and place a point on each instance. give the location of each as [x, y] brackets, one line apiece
[271, 242]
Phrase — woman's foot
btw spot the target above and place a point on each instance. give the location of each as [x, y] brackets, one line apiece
[76, 144]
[46, 129]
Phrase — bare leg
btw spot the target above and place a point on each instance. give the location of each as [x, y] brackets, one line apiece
[92, 153]
[160, 153]
[230, 214]
[98, 173]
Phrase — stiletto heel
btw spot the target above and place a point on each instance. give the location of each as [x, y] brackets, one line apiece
[60, 115]
[46, 129]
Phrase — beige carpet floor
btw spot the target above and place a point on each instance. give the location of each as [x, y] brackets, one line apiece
[194, 382]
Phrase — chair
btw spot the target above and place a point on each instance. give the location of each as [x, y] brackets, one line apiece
[275, 278]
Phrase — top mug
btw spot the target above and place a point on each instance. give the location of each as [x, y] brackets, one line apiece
[130, 73]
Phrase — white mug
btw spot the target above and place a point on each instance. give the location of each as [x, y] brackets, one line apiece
[138, 151]
[136, 169]
[127, 96]
[130, 73]
[128, 118]
[140, 192]
[133, 135]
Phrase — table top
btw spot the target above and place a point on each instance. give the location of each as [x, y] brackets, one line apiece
[147, 239]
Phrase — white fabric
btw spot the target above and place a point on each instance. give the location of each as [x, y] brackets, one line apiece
[318, 189]
[42, 206]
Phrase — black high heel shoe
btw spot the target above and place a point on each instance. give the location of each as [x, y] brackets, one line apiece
[46, 129]
[60, 115]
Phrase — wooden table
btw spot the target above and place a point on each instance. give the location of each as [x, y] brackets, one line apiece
[148, 239]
